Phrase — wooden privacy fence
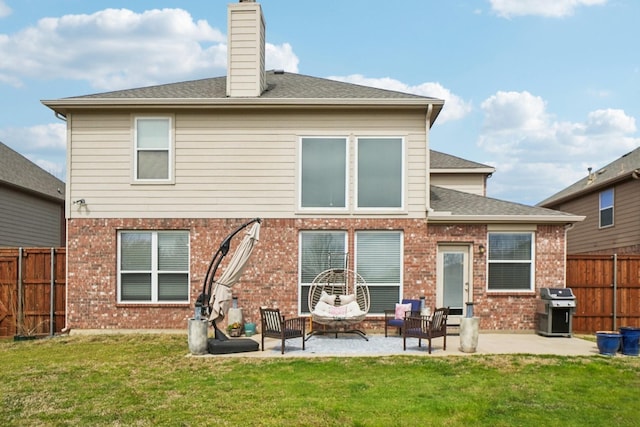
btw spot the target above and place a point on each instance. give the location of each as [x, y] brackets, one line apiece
[32, 291]
[607, 290]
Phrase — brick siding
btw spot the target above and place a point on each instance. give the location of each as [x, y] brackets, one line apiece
[271, 278]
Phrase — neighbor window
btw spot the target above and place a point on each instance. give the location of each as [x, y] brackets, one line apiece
[606, 208]
[153, 266]
[510, 262]
[380, 177]
[319, 251]
[153, 149]
[323, 182]
[379, 262]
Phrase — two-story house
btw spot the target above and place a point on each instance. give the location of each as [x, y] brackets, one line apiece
[166, 172]
[609, 199]
[31, 203]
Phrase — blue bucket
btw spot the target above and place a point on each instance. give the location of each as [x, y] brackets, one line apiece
[630, 340]
[249, 329]
[608, 342]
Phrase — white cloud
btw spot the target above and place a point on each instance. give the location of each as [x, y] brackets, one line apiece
[118, 48]
[455, 107]
[546, 8]
[536, 155]
[4, 9]
[45, 145]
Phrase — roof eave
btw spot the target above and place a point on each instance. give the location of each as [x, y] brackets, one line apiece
[464, 170]
[586, 190]
[67, 104]
[448, 217]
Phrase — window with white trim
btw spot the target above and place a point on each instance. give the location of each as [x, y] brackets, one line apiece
[323, 173]
[510, 260]
[153, 149]
[319, 251]
[380, 182]
[379, 262]
[153, 266]
[606, 208]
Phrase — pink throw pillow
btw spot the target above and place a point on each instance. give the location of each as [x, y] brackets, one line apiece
[401, 309]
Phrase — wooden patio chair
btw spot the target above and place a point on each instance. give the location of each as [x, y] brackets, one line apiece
[274, 325]
[393, 318]
[426, 327]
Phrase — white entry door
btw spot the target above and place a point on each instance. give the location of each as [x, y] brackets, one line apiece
[453, 287]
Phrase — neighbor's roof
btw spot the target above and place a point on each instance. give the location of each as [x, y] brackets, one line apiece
[20, 172]
[283, 88]
[444, 163]
[457, 206]
[615, 171]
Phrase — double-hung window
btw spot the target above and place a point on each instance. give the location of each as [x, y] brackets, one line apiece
[153, 149]
[511, 264]
[606, 208]
[323, 174]
[319, 251]
[380, 173]
[379, 262]
[153, 266]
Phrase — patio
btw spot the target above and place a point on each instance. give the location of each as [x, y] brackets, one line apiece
[348, 345]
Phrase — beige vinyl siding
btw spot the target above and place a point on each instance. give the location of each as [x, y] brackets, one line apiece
[227, 164]
[465, 182]
[587, 237]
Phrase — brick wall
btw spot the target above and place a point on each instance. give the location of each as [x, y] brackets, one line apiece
[271, 278]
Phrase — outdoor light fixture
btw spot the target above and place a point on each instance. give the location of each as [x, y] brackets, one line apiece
[80, 202]
[481, 249]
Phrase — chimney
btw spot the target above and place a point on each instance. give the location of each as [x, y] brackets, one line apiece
[245, 50]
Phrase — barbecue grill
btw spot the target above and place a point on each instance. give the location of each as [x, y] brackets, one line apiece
[554, 312]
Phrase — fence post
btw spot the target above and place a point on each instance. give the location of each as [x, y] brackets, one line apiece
[615, 291]
[20, 318]
[52, 319]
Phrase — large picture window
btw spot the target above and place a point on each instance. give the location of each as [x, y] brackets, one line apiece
[153, 266]
[379, 262]
[319, 251]
[510, 262]
[153, 149]
[606, 208]
[323, 182]
[380, 172]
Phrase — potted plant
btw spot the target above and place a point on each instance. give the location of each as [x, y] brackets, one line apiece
[234, 329]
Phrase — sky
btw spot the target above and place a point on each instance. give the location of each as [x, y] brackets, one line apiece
[539, 89]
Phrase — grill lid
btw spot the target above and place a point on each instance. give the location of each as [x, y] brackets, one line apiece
[556, 293]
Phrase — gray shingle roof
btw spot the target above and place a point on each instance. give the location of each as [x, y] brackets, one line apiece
[279, 86]
[441, 160]
[621, 168]
[459, 203]
[18, 171]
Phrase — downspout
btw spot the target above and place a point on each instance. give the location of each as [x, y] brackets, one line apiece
[52, 295]
[567, 228]
[67, 213]
[427, 159]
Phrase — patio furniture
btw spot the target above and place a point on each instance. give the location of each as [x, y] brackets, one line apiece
[274, 325]
[338, 300]
[395, 318]
[426, 327]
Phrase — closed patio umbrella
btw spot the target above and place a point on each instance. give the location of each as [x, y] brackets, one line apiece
[221, 296]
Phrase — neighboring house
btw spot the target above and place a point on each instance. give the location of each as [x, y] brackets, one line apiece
[31, 203]
[337, 171]
[609, 198]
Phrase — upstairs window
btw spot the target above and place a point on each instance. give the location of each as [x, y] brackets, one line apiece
[153, 149]
[606, 208]
[323, 182]
[510, 262]
[380, 173]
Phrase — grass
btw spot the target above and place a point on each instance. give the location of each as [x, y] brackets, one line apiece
[147, 380]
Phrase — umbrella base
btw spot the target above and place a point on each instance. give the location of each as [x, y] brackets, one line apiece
[241, 345]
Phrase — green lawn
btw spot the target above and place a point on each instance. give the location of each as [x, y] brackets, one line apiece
[148, 380]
